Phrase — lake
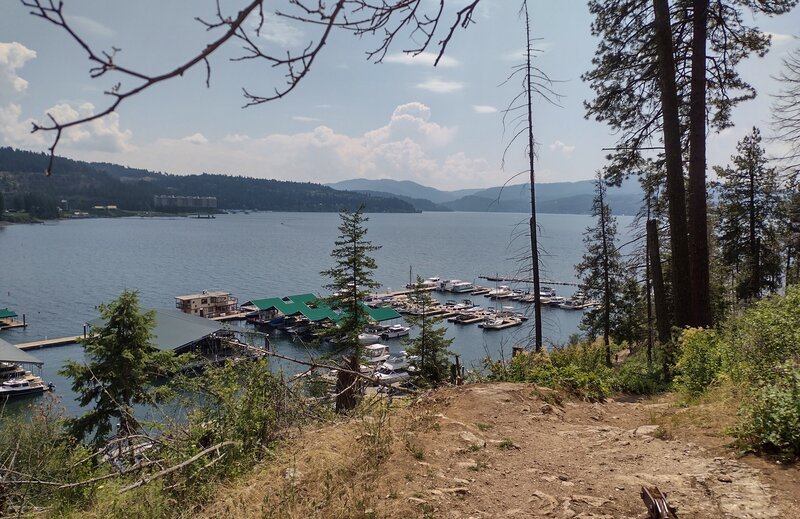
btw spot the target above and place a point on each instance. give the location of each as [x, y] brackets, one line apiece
[56, 273]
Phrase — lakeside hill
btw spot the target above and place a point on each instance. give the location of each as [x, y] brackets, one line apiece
[86, 184]
[554, 197]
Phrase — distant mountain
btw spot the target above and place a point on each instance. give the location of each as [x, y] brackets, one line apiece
[83, 185]
[405, 188]
[419, 204]
[555, 197]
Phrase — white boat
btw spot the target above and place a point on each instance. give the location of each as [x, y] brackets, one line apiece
[387, 375]
[394, 331]
[30, 385]
[557, 301]
[376, 353]
[457, 286]
[572, 304]
[500, 292]
[547, 292]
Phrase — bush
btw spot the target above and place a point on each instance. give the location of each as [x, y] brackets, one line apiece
[637, 377]
[770, 417]
[763, 337]
[700, 360]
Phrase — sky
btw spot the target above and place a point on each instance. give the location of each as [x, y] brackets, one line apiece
[402, 119]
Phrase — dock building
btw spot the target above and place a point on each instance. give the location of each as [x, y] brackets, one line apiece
[208, 304]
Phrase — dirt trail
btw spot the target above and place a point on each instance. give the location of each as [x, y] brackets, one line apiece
[510, 450]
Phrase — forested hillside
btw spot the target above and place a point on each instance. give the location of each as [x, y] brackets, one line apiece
[24, 187]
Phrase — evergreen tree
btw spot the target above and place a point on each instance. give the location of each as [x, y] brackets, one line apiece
[351, 283]
[430, 345]
[650, 59]
[790, 230]
[122, 368]
[601, 270]
[747, 228]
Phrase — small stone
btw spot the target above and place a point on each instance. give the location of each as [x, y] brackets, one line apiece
[646, 430]
[563, 477]
[724, 479]
[473, 440]
[546, 409]
[417, 501]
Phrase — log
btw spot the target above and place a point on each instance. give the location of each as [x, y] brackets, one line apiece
[656, 502]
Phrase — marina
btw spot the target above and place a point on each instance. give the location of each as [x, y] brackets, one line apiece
[259, 255]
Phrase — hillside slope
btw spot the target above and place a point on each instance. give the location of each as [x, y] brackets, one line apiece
[507, 450]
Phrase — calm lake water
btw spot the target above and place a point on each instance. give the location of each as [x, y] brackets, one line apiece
[56, 273]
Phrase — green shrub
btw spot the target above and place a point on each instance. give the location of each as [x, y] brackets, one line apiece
[700, 360]
[638, 377]
[770, 417]
[764, 336]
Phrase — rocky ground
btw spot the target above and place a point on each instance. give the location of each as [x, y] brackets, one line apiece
[513, 450]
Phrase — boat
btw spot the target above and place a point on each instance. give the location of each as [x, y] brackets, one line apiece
[557, 301]
[16, 387]
[386, 374]
[500, 292]
[547, 292]
[9, 370]
[394, 331]
[572, 304]
[456, 286]
[376, 353]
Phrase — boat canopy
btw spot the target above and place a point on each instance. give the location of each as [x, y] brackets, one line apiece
[315, 308]
[10, 353]
[175, 330]
[5, 313]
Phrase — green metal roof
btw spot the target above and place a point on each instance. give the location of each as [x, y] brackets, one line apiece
[175, 329]
[10, 353]
[314, 308]
[5, 313]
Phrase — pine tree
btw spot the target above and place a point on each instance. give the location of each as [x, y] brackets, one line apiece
[122, 369]
[747, 228]
[601, 270]
[430, 345]
[351, 283]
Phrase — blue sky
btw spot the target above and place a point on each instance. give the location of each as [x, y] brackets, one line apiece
[401, 119]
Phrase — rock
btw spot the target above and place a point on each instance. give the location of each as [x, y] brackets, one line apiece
[724, 479]
[460, 481]
[595, 502]
[646, 430]
[459, 491]
[472, 440]
[469, 464]
[563, 477]
[417, 501]
[546, 409]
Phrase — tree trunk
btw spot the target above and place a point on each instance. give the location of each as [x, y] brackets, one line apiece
[606, 273]
[676, 191]
[698, 218]
[346, 385]
[659, 294]
[537, 302]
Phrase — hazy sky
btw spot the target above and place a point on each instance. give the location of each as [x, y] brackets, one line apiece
[401, 119]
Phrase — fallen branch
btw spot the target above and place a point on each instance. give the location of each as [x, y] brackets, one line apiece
[177, 467]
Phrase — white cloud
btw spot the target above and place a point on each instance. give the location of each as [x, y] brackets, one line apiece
[779, 39]
[304, 119]
[13, 57]
[484, 109]
[84, 25]
[279, 31]
[423, 58]
[518, 54]
[441, 86]
[409, 146]
[196, 138]
[564, 149]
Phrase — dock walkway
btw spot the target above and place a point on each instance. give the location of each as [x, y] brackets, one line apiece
[62, 341]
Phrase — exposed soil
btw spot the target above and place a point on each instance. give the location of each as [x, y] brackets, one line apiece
[513, 450]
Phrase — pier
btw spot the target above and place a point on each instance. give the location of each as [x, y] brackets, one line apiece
[48, 343]
[527, 280]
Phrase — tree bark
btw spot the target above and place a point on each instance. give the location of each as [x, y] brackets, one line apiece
[698, 218]
[676, 191]
[659, 294]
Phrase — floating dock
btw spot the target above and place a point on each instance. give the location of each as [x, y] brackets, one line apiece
[48, 343]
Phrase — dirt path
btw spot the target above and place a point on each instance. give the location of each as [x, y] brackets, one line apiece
[509, 450]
